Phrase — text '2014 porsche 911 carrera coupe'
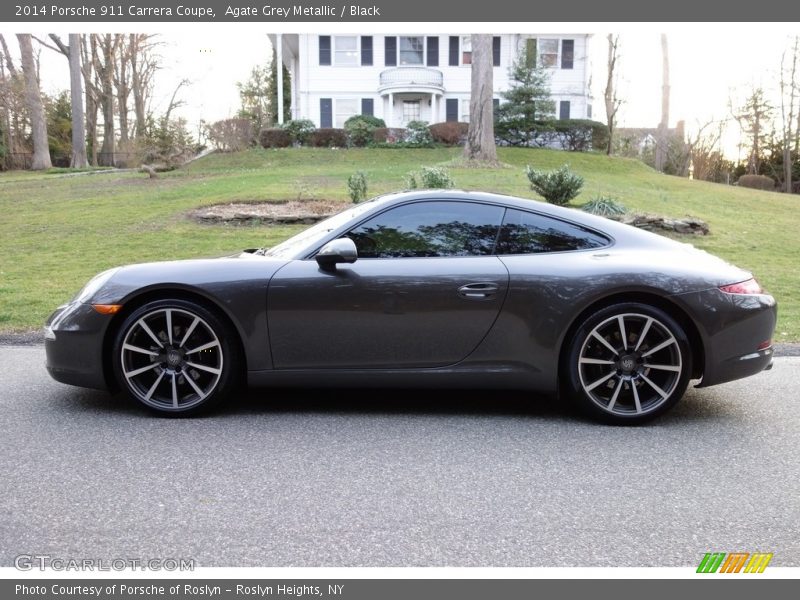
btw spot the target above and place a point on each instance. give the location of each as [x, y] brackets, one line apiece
[426, 289]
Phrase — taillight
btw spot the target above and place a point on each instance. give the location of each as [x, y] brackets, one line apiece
[743, 287]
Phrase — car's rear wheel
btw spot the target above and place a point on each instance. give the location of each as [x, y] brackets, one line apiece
[175, 357]
[628, 363]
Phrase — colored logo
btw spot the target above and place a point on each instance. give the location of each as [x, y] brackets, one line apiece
[734, 562]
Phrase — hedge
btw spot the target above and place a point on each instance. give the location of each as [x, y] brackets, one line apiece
[451, 133]
[329, 136]
[274, 138]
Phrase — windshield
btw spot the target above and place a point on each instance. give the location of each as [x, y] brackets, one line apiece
[313, 235]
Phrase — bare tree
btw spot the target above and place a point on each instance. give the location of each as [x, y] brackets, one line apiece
[103, 56]
[122, 84]
[173, 101]
[88, 44]
[144, 62]
[73, 54]
[611, 97]
[41, 150]
[788, 108]
[480, 144]
[663, 127]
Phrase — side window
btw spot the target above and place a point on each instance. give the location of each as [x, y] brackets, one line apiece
[429, 229]
[529, 233]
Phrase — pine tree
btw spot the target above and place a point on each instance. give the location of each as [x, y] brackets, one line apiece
[528, 108]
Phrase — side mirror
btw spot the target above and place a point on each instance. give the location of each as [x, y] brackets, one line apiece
[342, 250]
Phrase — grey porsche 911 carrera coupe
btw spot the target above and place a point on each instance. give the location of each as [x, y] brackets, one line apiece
[425, 289]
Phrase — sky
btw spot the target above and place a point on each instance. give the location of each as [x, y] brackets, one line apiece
[709, 64]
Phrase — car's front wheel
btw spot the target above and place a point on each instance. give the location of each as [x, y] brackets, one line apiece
[175, 357]
[628, 363]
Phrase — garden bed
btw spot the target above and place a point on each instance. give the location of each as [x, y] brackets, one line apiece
[290, 212]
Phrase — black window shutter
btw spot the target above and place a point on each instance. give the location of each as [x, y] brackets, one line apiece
[567, 53]
[454, 47]
[451, 109]
[433, 51]
[495, 104]
[367, 106]
[496, 51]
[324, 50]
[366, 50]
[325, 112]
[530, 52]
[390, 51]
[563, 110]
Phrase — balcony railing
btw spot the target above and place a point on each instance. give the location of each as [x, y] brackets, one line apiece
[411, 77]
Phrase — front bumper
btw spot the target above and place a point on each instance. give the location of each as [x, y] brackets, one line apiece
[733, 327]
[73, 344]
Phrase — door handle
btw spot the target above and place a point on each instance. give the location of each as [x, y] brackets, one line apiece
[478, 291]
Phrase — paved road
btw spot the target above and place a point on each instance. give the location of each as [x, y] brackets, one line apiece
[376, 479]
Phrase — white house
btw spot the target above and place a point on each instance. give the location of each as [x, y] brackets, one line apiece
[401, 78]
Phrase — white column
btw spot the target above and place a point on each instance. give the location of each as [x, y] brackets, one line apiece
[434, 115]
[390, 120]
[279, 58]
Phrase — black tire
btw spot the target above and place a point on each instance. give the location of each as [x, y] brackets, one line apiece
[181, 374]
[628, 381]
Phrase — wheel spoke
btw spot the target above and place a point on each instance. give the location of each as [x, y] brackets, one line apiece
[621, 321]
[169, 326]
[200, 392]
[134, 373]
[663, 367]
[149, 331]
[139, 350]
[174, 392]
[605, 343]
[203, 368]
[600, 381]
[661, 346]
[210, 344]
[189, 332]
[658, 390]
[642, 335]
[596, 361]
[613, 400]
[636, 398]
[154, 386]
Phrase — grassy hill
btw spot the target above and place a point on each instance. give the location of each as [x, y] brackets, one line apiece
[57, 230]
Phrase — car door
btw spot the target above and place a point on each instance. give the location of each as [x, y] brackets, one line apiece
[424, 292]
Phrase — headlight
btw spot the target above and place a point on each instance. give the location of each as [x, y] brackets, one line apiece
[94, 285]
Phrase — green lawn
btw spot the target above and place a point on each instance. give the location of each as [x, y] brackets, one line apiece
[56, 231]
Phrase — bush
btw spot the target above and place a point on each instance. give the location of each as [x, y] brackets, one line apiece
[450, 133]
[329, 137]
[429, 178]
[388, 135]
[299, 130]
[360, 129]
[231, 135]
[581, 135]
[558, 186]
[605, 206]
[368, 119]
[757, 182]
[274, 138]
[357, 187]
[418, 135]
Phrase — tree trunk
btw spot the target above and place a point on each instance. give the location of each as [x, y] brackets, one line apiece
[137, 85]
[78, 159]
[480, 144]
[662, 142]
[41, 150]
[610, 96]
[105, 71]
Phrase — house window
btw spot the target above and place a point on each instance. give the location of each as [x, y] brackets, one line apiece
[345, 51]
[345, 108]
[548, 52]
[410, 111]
[466, 49]
[412, 50]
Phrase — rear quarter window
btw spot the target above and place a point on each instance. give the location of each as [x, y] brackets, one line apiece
[523, 232]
